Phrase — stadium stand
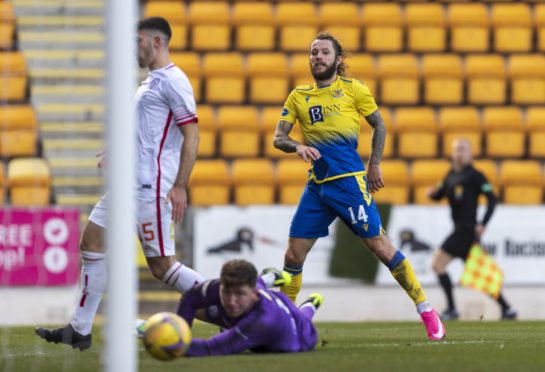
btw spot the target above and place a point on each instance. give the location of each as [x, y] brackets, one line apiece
[225, 81]
[383, 25]
[486, 79]
[469, 27]
[175, 13]
[522, 181]
[254, 26]
[426, 174]
[3, 183]
[210, 25]
[417, 132]
[239, 131]
[210, 183]
[512, 25]
[443, 79]
[426, 27]
[460, 122]
[344, 21]
[295, 30]
[253, 181]
[291, 178]
[535, 120]
[439, 71]
[29, 181]
[505, 132]
[396, 179]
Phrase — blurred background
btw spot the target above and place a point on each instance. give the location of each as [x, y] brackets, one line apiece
[438, 70]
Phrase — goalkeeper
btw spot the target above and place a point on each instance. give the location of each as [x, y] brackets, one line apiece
[252, 316]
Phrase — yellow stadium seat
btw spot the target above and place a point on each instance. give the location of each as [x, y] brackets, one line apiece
[443, 79]
[13, 117]
[399, 79]
[505, 132]
[224, 78]
[208, 130]
[13, 88]
[18, 131]
[7, 25]
[210, 25]
[396, 183]
[239, 131]
[527, 74]
[253, 181]
[298, 25]
[486, 79]
[174, 12]
[416, 132]
[383, 27]
[362, 67]
[190, 63]
[20, 142]
[343, 21]
[469, 27]
[490, 170]
[539, 13]
[300, 70]
[426, 174]
[30, 182]
[535, 120]
[512, 27]
[460, 122]
[269, 118]
[364, 140]
[426, 27]
[12, 63]
[3, 184]
[255, 29]
[210, 183]
[7, 32]
[268, 73]
[292, 175]
[522, 182]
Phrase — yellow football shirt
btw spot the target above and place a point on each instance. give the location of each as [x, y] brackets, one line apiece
[330, 122]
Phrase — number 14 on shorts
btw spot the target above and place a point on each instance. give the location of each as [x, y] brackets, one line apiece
[362, 216]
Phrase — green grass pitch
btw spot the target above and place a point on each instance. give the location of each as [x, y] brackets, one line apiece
[373, 346]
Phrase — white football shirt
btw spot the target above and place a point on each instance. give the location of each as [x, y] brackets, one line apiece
[164, 102]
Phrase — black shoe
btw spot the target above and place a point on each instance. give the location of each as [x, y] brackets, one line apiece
[450, 314]
[66, 335]
[509, 314]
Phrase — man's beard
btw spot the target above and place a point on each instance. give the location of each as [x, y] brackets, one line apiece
[326, 74]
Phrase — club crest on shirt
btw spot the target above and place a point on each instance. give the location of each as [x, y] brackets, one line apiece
[458, 191]
[337, 93]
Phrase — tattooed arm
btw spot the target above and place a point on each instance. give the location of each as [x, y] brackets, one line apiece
[282, 141]
[374, 174]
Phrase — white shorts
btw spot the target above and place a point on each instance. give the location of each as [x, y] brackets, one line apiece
[153, 224]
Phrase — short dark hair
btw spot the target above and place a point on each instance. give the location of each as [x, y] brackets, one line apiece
[339, 51]
[236, 273]
[156, 24]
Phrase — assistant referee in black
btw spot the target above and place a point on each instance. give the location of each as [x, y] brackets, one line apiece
[462, 186]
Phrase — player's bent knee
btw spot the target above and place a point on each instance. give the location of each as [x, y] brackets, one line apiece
[293, 257]
[160, 265]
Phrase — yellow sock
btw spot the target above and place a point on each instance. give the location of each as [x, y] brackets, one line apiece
[294, 287]
[403, 272]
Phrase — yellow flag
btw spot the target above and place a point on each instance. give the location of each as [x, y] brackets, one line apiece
[482, 273]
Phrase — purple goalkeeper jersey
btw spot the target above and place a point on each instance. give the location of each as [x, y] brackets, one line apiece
[274, 324]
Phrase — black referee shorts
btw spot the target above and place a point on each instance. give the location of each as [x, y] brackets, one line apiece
[460, 241]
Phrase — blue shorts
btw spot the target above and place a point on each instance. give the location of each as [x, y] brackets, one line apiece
[346, 198]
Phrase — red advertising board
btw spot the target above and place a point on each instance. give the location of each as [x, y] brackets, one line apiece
[39, 246]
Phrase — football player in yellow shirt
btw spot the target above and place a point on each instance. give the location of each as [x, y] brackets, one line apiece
[339, 185]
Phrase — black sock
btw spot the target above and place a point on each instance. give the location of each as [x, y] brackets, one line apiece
[444, 279]
[504, 305]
